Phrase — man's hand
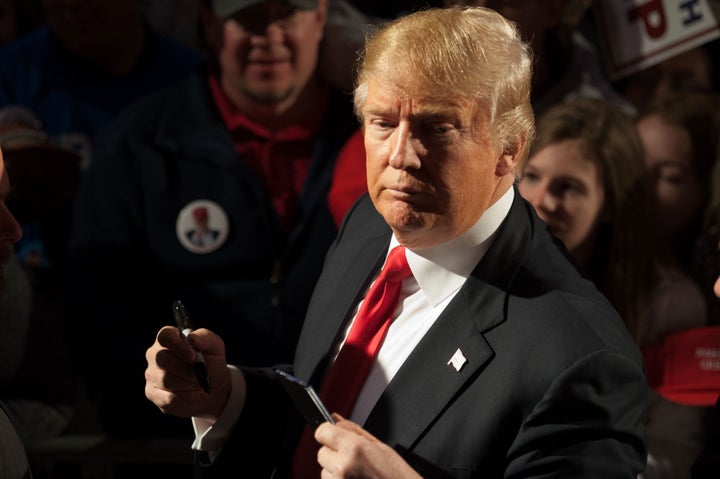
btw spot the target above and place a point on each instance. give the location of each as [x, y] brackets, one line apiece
[170, 382]
[349, 451]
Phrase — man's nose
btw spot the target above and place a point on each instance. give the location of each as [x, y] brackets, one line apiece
[405, 149]
[269, 33]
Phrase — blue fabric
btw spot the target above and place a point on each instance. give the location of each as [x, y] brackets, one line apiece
[74, 99]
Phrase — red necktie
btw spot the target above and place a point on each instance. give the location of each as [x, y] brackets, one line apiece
[347, 375]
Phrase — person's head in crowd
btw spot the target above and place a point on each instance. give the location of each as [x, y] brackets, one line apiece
[10, 231]
[706, 260]
[695, 70]
[266, 52]
[109, 35]
[444, 126]
[586, 179]
[681, 138]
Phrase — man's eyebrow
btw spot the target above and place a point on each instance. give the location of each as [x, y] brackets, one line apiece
[435, 114]
[377, 111]
[425, 112]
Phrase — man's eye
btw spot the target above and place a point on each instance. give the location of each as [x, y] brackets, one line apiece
[440, 128]
[381, 124]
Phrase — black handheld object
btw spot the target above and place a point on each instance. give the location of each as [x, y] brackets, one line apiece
[305, 398]
[182, 320]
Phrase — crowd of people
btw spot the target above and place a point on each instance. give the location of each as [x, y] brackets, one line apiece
[269, 163]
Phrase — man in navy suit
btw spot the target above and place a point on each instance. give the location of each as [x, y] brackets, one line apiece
[501, 360]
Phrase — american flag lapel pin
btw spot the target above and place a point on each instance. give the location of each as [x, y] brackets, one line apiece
[457, 360]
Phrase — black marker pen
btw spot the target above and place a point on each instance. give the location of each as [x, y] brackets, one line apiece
[182, 319]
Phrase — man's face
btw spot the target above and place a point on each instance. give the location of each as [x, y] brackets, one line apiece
[269, 52]
[431, 165]
[9, 228]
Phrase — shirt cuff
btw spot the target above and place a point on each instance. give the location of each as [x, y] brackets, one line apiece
[211, 437]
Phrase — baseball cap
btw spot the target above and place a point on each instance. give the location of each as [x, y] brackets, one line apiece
[684, 367]
[224, 8]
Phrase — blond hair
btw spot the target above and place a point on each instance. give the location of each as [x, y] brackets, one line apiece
[453, 53]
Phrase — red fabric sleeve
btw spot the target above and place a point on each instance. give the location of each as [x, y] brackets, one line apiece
[349, 180]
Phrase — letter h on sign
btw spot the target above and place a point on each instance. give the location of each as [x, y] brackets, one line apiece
[692, 15]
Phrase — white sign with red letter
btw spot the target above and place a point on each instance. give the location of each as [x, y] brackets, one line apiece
[637, 34]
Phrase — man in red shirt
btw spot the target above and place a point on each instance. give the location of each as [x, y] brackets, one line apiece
[252, 141]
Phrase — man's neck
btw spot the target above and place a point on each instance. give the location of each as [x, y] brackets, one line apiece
[278, 116]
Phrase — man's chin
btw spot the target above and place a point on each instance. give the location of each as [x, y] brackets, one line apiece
[411, 228]
[269, 96]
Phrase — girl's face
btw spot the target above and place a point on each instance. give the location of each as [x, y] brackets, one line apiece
[676, 184]
[563, 182]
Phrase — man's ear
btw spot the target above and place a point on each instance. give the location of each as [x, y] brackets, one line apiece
[321, 16]
[510, 157]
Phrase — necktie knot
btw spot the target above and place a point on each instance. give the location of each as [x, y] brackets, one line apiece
[396, 267]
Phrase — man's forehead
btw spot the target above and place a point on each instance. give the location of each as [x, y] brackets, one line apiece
[388, 96]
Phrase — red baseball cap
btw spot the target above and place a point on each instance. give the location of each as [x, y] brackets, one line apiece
[200, 213]
[684, 367]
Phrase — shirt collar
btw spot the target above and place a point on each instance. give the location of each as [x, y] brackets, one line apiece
[442, 269]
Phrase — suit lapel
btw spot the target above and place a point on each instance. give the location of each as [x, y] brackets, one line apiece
[426, 384]
[337, 294]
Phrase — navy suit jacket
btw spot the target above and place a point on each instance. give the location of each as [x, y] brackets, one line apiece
[553, 385]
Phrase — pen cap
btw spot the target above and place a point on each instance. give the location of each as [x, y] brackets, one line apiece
[182, 319]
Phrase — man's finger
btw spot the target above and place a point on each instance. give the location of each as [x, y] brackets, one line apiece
[351, 426]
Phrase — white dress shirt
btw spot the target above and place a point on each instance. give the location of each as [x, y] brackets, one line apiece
[438, 274]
